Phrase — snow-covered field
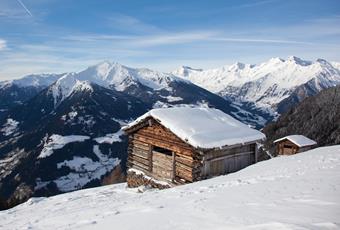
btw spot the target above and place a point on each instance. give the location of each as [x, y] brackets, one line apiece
[295, 192]
[56, 141]
[9, 127]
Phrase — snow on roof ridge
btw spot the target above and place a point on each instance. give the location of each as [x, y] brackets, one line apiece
[299, 140]
[202, 127]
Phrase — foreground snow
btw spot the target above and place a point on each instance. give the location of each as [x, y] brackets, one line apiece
[295, 192]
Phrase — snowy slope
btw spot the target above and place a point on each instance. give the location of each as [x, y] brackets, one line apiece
[36, 80]
[265, 84]
[336, 65]
[293, 192]
[16, 92]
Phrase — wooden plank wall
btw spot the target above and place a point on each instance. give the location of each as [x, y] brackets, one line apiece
[303, 149]
[286, 151]
[219, 162]
[186, 164]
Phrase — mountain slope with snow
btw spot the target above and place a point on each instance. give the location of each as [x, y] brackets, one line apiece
[266, 84]
[16, 92]
[35, 80]
[336, 65]
[120, 77]
[47, 149]
[316, 117]
[66, 137]
[289, 192]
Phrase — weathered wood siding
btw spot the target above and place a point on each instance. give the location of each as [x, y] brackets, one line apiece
[302, 149]
[182, 166]
[223, 161]
[286, 147]
[162, 165]
[181, 163]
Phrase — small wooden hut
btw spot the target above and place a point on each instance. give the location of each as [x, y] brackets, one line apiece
[293, 144]
[172, 146]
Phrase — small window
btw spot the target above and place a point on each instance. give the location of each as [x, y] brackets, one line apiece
[287, 146]
[162, 150]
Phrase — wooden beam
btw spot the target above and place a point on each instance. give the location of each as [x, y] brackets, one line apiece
[173, 173]
[150, 157]
[229, 156]
[256, 153]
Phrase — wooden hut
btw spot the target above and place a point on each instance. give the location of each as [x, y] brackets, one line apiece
[172, 146]
[293, 144]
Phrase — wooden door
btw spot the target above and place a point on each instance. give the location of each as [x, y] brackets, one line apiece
[162, 165]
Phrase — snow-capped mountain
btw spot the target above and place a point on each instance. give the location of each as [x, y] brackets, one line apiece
[290, 192]
[112, 74]
[63, 134]
[36, 80]
[15, 92]
[266, 84]
[47, 149]
[68, 137]
[336, 65]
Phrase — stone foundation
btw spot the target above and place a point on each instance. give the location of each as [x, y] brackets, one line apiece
[136, 178]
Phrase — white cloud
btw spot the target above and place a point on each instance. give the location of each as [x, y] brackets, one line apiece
[3, 44]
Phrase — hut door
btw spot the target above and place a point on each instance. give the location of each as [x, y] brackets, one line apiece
[162, 163]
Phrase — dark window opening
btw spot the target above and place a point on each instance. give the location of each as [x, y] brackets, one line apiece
[288, 146]
[162, 150]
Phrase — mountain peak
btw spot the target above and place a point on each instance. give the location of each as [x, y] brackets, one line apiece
[276, 60]
[67, 85]
[298, 61]
[237, 66]
[185, 71]
[322, 61]
[190, 68]
[82, 86]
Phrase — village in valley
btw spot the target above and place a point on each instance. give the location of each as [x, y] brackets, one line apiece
[170, 115]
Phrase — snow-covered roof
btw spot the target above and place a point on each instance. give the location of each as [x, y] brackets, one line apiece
[299, 140]
[202, 127]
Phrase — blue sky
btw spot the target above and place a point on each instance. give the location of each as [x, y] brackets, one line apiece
[63, 35]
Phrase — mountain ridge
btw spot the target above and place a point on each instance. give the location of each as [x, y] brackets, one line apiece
[268, 83]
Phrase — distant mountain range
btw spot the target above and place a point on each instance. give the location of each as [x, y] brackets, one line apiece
[275, 85]
[61, 132]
